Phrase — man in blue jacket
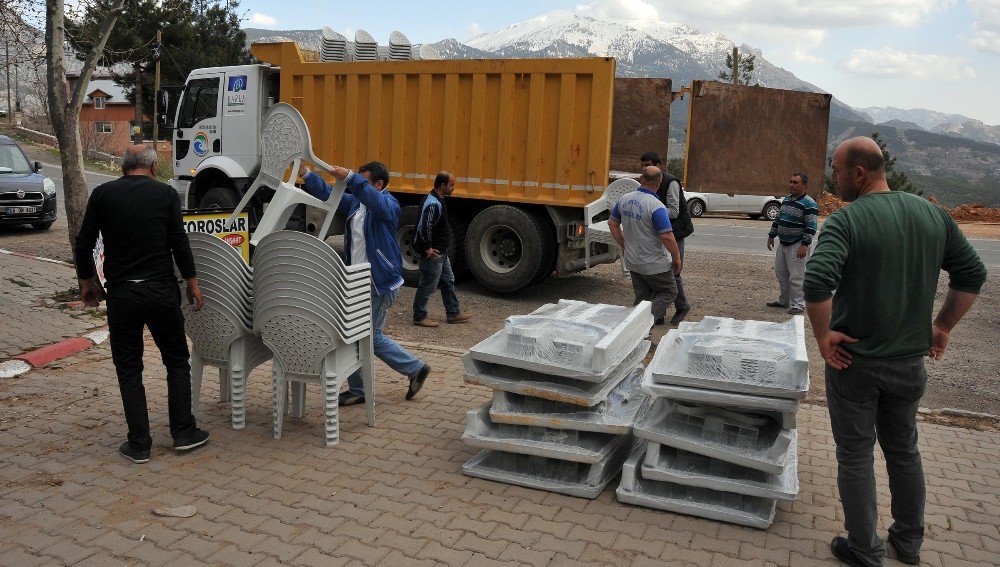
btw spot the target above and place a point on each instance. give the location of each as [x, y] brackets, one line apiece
[370, 236]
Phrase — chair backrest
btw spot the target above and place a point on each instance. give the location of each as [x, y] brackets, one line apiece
[284, 139]
[211, 331]
[616, 190]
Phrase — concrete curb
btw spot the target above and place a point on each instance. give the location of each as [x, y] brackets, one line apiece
[50, 353]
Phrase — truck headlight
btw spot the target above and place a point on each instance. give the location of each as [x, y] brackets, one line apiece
[49, 187]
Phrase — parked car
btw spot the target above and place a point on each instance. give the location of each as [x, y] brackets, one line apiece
[26, 196]
[754, 206]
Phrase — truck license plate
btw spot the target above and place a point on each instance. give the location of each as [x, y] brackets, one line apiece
[21, 210]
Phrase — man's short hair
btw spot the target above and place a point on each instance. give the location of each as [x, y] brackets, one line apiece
[138, 158]
[378, 172]
[647, 178]
[859, 155]
[442, 179]
[802, 176]
[652, 157]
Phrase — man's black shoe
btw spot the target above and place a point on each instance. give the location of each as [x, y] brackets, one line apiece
[658, 321]
[903, 557]
[679, 316]
[843, 552]
[348, 398]
[137, 457]
[188, 442]
[417, 381]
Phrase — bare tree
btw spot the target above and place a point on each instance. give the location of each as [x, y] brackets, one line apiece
[64, 106]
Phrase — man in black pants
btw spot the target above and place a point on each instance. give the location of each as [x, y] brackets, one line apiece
[431, 241]
[671, 194]
[140, 220]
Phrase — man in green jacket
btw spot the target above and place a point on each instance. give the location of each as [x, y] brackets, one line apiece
[869, 290]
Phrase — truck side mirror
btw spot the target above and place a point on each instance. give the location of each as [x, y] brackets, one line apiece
[162, 104]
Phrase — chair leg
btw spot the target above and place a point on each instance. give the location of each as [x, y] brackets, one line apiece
[280, 399]
[298, 405]
[331, 397]
[237, 382]
[225, 385]
[197, 370]
[368, 377]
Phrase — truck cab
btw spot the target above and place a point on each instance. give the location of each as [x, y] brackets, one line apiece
[216, 141]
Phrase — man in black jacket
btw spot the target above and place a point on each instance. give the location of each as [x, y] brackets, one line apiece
[672, 195]
[140, 221]
[431, 243]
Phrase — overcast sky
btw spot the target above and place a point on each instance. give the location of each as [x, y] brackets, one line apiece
[942, 55]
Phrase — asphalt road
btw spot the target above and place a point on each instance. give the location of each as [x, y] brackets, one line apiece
[717, 235]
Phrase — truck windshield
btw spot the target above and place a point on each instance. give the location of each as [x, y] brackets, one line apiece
[12, 160]
[201, 101]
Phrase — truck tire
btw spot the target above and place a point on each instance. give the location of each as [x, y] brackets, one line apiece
[771, 210]
[551, 246]
[407, 227]
[505, 248]
[219, 198]
[696, 207]
[456, 253]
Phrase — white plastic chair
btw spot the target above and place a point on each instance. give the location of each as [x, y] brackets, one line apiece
[285, 140]
[600, 231]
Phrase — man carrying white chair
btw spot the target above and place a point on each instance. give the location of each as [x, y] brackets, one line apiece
[372, 218]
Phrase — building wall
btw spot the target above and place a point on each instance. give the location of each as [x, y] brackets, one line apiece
[114, 142]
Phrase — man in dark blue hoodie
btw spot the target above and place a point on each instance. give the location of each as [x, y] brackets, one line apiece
[370, 236]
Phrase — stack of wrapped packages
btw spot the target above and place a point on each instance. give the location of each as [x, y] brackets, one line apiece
[719, 440]
[567, 388]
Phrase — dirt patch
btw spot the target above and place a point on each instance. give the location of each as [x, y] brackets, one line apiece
[828, 203]
[968, 213]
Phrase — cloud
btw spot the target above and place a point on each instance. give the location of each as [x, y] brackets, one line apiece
[620, 10]
[890, 63]
[263, 20]
[805, 13]
[986, 27]
[473, 30]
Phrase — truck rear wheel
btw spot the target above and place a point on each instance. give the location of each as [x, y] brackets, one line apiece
[407, 227]
[505, 248]
[551, 246]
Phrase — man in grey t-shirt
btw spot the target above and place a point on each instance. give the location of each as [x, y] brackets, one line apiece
[641, 226]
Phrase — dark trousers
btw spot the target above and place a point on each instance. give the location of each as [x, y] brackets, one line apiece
[435, 273]
[878, 398]
[681, 301]
[659, 289]
[153, 304]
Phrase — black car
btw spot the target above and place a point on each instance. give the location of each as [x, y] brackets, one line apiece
[26, 196]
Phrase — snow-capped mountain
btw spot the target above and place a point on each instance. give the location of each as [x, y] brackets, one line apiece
[927, 119]
[641, 48]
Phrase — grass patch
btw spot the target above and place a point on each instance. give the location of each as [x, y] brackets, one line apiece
[21, 283]
[67, 295]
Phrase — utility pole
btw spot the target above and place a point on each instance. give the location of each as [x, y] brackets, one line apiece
[736, 65]
[10, 109]
[156, 92]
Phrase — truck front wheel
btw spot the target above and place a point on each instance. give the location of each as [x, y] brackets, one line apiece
[504, 248]
[407, 227]
[219, 198]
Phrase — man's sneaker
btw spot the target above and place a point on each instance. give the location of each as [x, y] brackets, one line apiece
[193, 441]
[349, 398]
[459, 318]
[795, 311]
[417, 381]
[776, 304]
[903, 557]
[137, 457]
[843, 552]
[425, 323]
[679, 316]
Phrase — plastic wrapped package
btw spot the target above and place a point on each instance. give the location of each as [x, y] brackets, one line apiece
[567, 444]
[528, 383]
[754, 440]
[615, 415]
[577, 340]
[553, 475]
[752, 511]
[740, 402]
[668, 464]
[753, 357]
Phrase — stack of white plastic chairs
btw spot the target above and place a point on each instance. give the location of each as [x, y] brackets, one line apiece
[334, 46]
[400, 48]
[314, 313]
[424, 52]
[365, 47]
[720, 437]
[566, 393]
[221, 332]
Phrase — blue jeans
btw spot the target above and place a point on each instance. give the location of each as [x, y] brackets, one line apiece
[435, 272]
[386, 349]
[878, 398]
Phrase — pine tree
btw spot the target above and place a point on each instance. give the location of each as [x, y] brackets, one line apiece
[897, 180]
[747, 63]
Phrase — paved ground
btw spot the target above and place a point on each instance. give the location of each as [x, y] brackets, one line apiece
[393, 494]
[24, 285]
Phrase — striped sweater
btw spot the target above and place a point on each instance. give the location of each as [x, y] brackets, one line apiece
[796, 223]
